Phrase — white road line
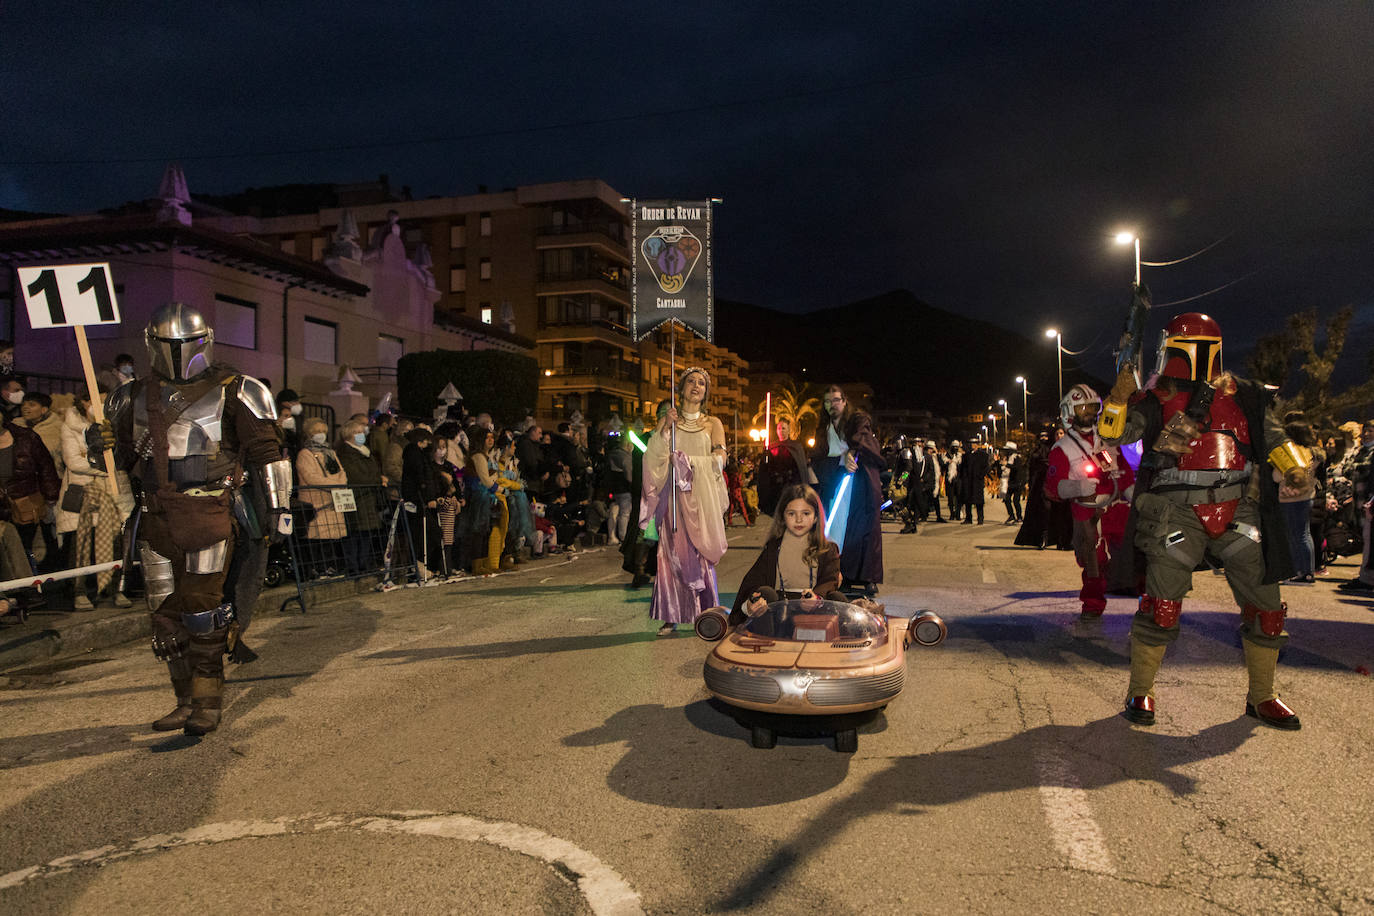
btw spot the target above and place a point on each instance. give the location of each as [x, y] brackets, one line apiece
[1069, 815]
[606, 578]
[605, 891]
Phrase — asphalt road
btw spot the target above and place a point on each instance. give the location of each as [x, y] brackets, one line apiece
[524, 744]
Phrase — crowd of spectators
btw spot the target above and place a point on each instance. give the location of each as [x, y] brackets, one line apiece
[473, 498]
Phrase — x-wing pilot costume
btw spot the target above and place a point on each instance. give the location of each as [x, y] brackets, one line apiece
[1205, 491]
[1096, 483]
[192, 434]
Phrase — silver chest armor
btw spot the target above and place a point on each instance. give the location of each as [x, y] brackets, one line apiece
[196, 433]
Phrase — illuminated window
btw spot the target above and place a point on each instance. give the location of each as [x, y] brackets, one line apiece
[486, 315]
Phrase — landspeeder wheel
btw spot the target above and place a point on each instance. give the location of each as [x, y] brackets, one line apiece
[847, 740]
[928, 629]
[762, 737]
[711, 625]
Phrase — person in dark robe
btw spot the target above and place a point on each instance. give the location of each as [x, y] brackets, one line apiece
[784, 464]
[846, 445]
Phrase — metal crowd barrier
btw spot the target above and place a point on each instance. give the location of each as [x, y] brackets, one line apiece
[342, 534]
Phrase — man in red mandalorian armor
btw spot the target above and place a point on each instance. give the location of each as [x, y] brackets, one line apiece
[1096, 483]
[1205, 491]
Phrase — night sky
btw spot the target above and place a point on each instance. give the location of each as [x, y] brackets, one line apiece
[981, 155]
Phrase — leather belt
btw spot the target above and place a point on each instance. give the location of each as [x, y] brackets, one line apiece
[1173, 477]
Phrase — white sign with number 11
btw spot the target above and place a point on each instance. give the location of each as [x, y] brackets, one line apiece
[69, 294]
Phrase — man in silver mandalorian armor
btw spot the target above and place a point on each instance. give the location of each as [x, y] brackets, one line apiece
[192, 435]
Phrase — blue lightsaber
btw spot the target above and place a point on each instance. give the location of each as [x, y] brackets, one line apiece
[835, 506]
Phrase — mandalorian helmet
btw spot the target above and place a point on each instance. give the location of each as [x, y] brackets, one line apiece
[180, 343]
[1080, 408]
[1190, 349]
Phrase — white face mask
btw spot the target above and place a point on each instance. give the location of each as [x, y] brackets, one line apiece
[360, 438]
[15, 397]
[318, 439]
[126, 370]
[296, 410]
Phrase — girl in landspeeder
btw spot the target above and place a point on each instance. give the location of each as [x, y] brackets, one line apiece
[797, 560]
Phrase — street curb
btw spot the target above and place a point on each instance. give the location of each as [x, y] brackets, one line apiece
[79, 635]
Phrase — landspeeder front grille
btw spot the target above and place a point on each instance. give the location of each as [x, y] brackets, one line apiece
[758, 688]
[850, 691]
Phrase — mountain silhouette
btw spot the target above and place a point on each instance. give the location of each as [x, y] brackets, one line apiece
[915, 356]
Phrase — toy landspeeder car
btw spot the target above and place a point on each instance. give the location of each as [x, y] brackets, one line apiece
[814, 658]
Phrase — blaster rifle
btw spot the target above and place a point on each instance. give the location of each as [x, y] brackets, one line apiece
[1131, 344]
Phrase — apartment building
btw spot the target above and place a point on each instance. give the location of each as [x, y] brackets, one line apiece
[547, 263]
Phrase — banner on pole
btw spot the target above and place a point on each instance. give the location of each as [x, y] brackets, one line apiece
[671, 276]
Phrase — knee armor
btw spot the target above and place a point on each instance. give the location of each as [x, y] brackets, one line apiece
[158, 580]
[1163, 611]
[1268, 623]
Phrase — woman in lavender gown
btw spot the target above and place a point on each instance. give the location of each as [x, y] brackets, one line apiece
[690, 546]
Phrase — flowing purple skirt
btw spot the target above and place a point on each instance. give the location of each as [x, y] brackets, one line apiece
[686, 583]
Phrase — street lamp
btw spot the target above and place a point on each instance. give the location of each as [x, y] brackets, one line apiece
[1006, 420]
[1126, 238]
[993, 418]
[1059, 354]
[1025, 414]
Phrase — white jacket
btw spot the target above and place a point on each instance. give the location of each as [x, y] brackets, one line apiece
[80, 472]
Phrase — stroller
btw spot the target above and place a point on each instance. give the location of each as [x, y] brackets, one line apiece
[1343, 534]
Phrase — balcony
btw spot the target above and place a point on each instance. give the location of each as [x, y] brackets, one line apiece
[615, 287]
[599, 329]
[622, 380]
[608, 237]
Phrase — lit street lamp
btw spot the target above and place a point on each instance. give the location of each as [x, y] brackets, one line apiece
[1006, 420]
[1059, 354]
[1126, 238]
[993, 418]
[1025, 414]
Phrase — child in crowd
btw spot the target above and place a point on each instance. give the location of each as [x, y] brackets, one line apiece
[447, 506]
[797, 561]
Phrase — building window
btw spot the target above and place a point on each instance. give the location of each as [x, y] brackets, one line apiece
[486, 313]
[321, 341]
[457, 236]
[413, 236]
[236, 322]
[288, 245]
[389, 350]
[457, 279]
[484, 225]
[317, 248]
[484, 268]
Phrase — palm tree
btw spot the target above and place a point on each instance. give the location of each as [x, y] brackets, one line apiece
[797, 406]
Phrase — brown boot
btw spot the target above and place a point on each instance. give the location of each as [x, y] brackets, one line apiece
[180, 671]
[205, 705]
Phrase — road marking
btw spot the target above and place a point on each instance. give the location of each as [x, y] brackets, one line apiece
[615, 575]
[1069, 815]
[604, 890]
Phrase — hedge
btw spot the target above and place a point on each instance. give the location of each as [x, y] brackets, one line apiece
[503, 384]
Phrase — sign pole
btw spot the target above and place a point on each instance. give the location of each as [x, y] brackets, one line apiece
[672, 432]
[97, 403]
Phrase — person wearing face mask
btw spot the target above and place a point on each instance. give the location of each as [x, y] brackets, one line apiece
[12, 399]
[116, 374]
[288, 417]
[86, 507]
[6, 360]
[36, 414]
[28, 478]
[318, 475]
[363, 546]
[420, 488]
